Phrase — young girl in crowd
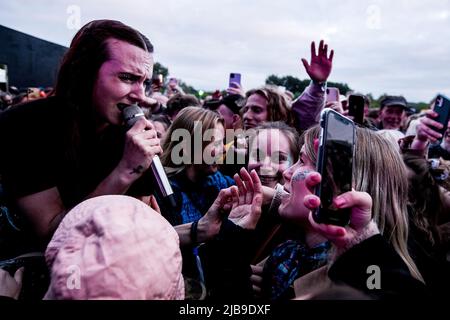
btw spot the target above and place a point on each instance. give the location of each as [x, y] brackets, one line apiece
[192, 163]
[274, 149]
[192, 152]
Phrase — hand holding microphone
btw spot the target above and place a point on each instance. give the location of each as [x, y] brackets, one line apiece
[142, 148]
[141, 143]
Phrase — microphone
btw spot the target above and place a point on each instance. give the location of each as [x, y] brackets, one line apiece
[131, 114]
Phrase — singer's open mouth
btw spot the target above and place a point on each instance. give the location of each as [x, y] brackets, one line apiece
[122, 106]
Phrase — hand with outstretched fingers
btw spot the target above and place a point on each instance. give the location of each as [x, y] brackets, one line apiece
[247, 199]
[320, 66]
[241, 204]
[209, 225]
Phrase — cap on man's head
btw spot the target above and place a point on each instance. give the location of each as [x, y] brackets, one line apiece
[390, 101]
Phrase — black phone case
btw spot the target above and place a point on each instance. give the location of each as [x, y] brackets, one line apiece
[323, 215]
[356, 110]
[443, 112]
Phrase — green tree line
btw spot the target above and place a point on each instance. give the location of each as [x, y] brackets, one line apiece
[293, 84]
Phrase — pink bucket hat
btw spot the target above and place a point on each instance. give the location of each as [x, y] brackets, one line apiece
[114, 247]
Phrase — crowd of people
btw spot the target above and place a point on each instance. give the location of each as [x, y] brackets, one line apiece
[80, 213]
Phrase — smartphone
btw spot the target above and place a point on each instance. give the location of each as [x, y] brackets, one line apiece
[234, 77]
[442, 108]
[356, 107]
[332, 94]
[173, 81]
[335, 164]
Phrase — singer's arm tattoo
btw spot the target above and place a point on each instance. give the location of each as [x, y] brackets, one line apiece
[137, 170]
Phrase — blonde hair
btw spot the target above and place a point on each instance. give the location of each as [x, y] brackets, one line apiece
[379, 170]
[189, 118]
[393, 136]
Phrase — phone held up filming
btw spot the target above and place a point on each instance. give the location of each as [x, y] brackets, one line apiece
[442, 108]
[335, 164]
[235, 78]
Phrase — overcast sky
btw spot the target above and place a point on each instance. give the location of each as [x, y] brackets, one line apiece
[381, 46]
